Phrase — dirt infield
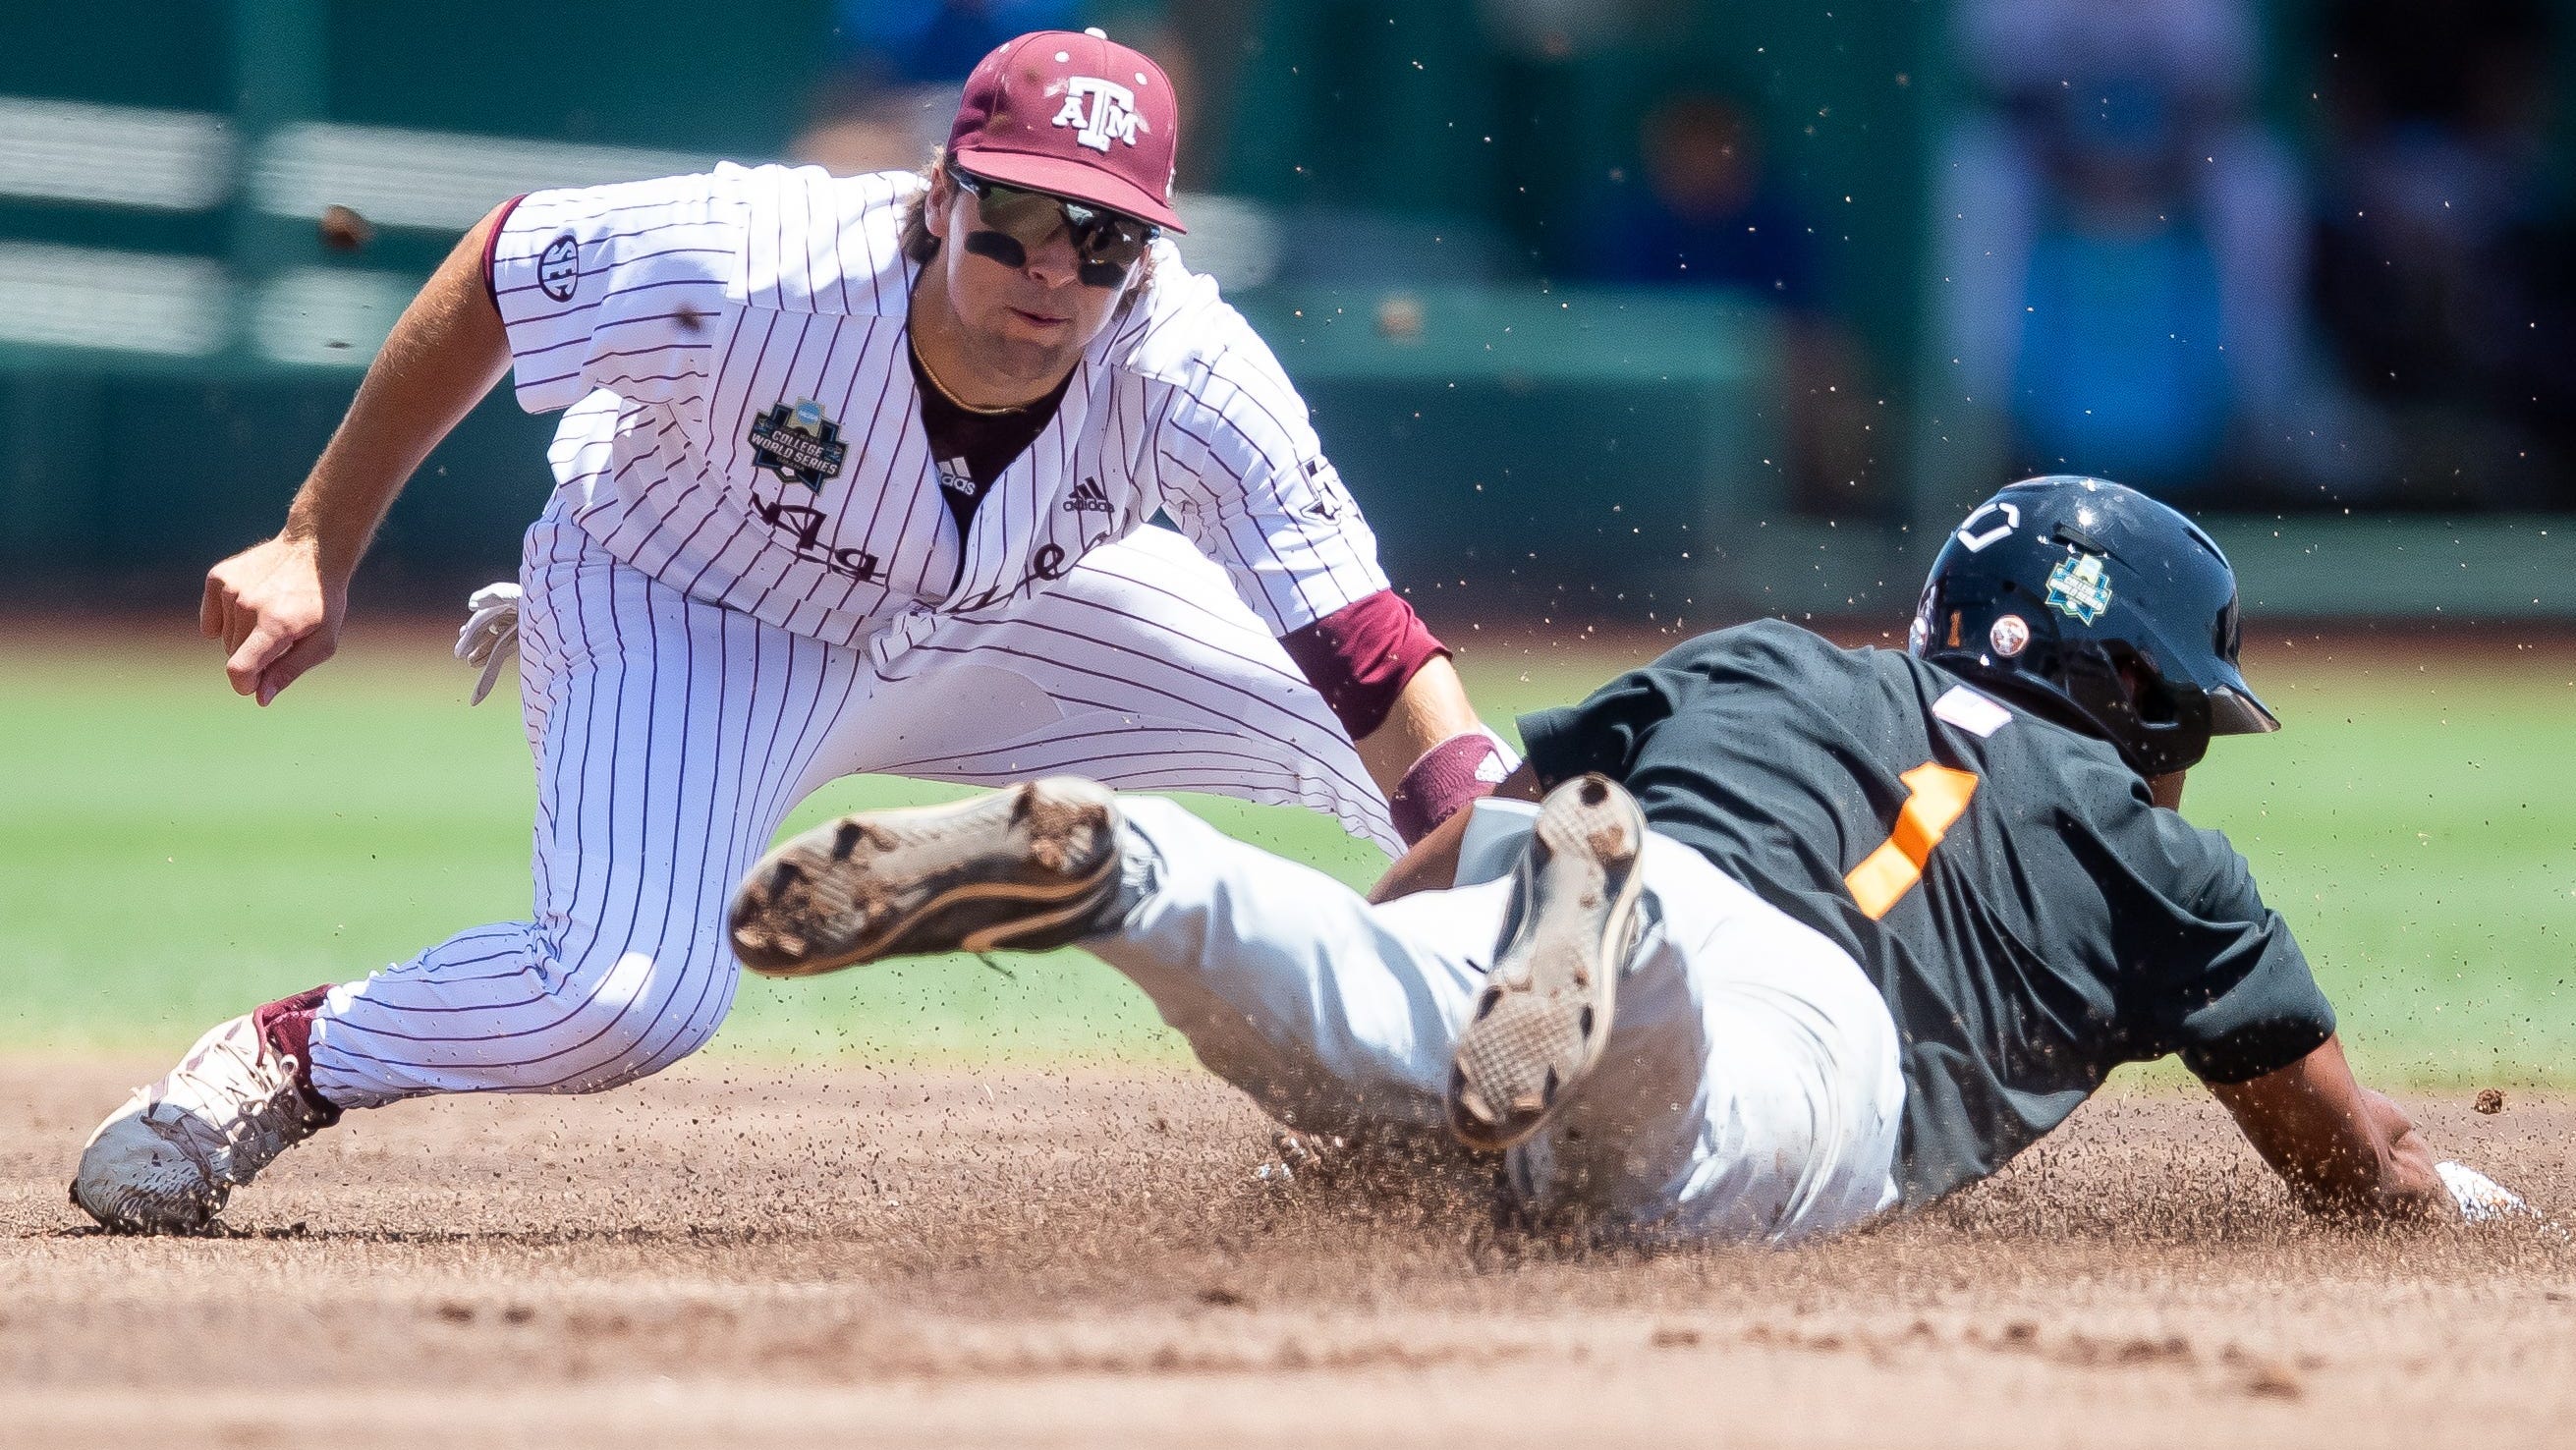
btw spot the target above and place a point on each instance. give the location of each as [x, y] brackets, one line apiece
[744, 1257]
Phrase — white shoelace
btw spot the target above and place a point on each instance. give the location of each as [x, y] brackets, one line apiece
[270, 1119]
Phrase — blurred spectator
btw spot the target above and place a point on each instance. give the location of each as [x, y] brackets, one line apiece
[917, 42]
[2123, 247]
[1556, 30]
[2442, 282]
[901, 65]
[898, 70]
[1709, 212]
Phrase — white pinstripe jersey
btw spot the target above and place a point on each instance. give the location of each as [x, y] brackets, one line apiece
[677, 318]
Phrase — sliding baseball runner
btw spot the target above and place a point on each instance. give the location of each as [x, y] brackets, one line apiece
[1800, 935]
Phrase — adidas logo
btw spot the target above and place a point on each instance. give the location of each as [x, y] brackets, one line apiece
[954, 478]
[1088, 496]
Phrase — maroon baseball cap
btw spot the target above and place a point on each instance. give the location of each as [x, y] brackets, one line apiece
[1075, 115]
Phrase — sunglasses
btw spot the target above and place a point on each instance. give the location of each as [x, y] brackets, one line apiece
[1106, 244]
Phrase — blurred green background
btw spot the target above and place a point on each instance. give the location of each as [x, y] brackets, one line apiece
[1606, 309]
[171, 855]
[1620, 316]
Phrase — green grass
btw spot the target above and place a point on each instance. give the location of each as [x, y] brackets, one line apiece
[2417, 826]
[170, 854]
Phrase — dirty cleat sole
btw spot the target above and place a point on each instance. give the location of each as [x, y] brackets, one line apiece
[1025, 869]
[1545, 1011]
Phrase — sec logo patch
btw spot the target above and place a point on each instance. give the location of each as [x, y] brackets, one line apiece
[559, 268]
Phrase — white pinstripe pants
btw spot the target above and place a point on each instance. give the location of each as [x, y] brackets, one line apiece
[672, 737]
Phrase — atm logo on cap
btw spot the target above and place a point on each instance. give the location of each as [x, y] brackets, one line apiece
[1102, 110]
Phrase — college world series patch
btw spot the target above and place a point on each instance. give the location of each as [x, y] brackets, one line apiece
[2076, 587]
[798, 444]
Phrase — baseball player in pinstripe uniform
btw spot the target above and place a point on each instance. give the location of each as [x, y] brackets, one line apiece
[854, 475]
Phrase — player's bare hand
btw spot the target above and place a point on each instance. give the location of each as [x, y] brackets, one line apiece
[277, 613]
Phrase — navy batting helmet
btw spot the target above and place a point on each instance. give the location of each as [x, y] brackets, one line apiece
[2099, 607]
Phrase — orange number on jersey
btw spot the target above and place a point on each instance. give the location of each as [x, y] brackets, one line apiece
[1939, 796]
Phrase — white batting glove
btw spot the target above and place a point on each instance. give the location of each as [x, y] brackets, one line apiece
[490, 637]
[2482, 1199]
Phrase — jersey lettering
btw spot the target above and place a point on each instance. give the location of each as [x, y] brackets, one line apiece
[1937, 797]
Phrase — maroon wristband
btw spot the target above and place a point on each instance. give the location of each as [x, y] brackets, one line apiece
[1360, 657]
[1449, 777]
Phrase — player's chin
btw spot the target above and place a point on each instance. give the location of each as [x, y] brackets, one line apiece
[1017, 354]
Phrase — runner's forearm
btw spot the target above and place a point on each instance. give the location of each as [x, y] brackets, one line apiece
[1431, 865]
[2341, 1148]
[444, 354]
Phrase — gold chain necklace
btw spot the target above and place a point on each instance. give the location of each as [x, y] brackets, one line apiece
[955, 401]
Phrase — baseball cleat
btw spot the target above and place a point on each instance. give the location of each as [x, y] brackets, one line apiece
[166, 1161]
[1023, 869]
[1567, 935]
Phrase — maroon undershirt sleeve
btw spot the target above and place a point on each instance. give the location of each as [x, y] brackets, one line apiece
[1360, 656]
